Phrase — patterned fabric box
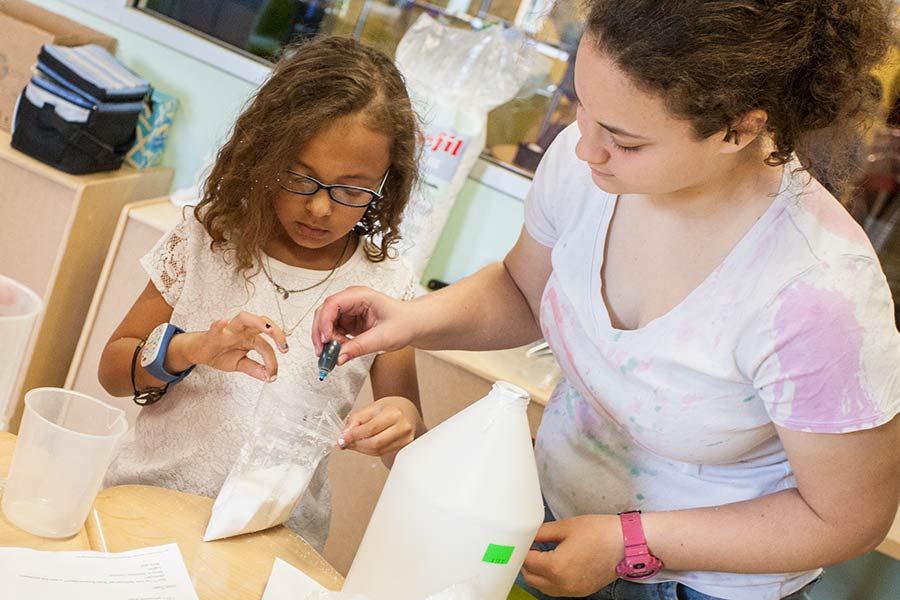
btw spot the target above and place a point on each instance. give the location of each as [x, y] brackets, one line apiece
[152, 130]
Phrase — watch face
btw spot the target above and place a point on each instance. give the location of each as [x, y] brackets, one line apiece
[640, 567]
[151, 346]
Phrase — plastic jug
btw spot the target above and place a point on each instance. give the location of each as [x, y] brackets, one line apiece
[19, 308]
[65, 444]
[461, 505]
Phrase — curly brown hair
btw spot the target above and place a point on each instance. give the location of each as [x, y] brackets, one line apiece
[314, 84]
[806, 63]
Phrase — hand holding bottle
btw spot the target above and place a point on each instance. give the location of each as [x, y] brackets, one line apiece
[363, 321]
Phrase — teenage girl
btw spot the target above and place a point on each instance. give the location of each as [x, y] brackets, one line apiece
[724, 327]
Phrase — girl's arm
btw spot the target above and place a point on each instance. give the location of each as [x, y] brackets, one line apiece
[394, 419]
[114, 371]
[848, 488]
[495, 308]
[224, 346]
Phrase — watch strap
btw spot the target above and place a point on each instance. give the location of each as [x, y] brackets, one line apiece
[153, 356]
[148, 395]
[638, 563]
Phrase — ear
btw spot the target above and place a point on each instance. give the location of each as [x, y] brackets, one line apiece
[744, 132]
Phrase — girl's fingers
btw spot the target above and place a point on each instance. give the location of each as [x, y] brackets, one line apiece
[391, 439]
[264, 349]
[249, 320]
[252, 368]
[354, 420]
[363, 415]
[275, 332]
[261, 324]
[371, 421]
[385, 432]
[218, 326]
[368, 445]
[258, 324]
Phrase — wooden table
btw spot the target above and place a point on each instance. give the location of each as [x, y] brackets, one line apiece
[135, 516]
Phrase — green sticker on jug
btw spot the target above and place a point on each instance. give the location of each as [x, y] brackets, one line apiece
[497, 554]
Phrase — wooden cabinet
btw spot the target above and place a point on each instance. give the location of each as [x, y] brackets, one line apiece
[121, 280]
[54, 232]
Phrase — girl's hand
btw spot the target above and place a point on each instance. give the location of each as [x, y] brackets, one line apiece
[590, 547]
[226, 344]
[363, 321]
[383, 427]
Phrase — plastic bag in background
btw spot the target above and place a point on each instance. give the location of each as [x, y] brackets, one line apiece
[455, 77]
[275, 466]
[460, 591]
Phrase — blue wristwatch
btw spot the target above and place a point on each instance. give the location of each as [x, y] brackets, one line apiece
[153, 355]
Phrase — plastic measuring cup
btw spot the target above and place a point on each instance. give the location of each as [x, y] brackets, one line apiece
[19, 308]
[66, 442]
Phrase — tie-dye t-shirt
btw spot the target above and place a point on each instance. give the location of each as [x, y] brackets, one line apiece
[795, 327]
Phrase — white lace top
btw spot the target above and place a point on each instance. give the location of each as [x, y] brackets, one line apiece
[189, 440]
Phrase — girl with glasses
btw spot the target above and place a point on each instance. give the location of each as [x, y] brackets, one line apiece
[730, 358]
[305, 198]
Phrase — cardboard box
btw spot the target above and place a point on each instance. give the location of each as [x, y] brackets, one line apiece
[24, 28]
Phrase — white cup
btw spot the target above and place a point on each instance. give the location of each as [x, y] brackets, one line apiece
[19, 309]
[65, 444]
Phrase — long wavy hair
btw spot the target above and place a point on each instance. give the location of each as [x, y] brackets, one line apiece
[806, 63]
[314, 84]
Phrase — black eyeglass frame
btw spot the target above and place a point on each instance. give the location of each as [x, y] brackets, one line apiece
[376, 195]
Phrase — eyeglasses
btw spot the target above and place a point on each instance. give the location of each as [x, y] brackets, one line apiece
[348, 195]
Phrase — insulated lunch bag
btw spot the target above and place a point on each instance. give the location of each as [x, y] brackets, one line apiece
[79, 112]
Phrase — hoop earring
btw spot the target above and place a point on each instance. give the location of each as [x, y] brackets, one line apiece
[733, 136]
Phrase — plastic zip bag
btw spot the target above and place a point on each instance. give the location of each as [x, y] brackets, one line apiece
[275, 466]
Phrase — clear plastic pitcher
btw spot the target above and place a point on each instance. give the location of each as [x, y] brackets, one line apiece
[66, 442]
[19, 308]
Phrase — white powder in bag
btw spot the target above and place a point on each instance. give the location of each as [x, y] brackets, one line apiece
[257, 499]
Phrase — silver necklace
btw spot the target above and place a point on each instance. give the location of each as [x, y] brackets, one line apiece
[285, 293]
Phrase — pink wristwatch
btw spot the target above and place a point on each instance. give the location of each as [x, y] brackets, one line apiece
[638, 563]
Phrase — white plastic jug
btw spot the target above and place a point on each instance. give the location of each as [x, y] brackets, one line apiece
[19, 308]
[65, 444]
[462, 504]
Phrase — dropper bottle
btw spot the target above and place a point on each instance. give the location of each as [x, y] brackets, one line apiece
[328, 358]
